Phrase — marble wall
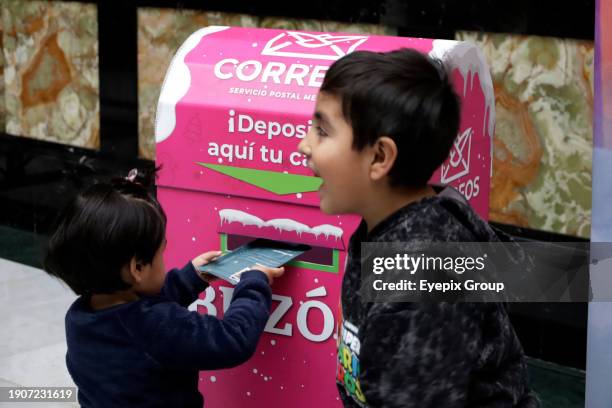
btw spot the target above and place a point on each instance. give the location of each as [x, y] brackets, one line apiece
[2, 104]
[50, 71]
[544, 91]
[162, 31]
[542, 148]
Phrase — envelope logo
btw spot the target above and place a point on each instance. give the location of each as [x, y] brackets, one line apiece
[458, 163]
[316, 46]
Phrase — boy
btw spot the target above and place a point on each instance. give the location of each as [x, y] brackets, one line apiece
[383, 123]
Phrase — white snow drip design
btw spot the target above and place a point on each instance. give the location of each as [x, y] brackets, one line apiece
[286, 224]
[469, 60]
[280, 224]
[245, 219]
[176, 84]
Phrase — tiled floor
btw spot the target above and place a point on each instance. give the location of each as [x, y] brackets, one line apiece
[32, 338]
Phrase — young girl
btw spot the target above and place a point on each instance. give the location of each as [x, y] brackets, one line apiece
[131, 340]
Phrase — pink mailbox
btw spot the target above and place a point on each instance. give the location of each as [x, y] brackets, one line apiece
[234, 106]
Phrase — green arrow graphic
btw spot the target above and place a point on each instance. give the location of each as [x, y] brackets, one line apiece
[275, 182]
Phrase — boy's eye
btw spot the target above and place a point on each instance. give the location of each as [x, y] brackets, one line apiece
[320, 131]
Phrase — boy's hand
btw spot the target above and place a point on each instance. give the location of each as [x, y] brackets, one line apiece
[203, 259]
[271, 273]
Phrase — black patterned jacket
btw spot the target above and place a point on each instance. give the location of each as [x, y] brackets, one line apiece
[427, 355]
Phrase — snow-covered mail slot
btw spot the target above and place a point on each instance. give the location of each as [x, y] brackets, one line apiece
[234, 106]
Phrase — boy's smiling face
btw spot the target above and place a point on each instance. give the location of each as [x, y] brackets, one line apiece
[329, 149]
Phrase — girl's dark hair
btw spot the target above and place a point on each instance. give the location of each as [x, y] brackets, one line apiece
[99, 232]
[405, 95]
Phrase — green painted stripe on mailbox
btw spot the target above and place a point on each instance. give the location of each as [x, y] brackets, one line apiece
[275, 182]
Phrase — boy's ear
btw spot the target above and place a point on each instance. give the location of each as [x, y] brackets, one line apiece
[384, 156]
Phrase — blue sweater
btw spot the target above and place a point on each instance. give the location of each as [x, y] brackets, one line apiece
[147, 353]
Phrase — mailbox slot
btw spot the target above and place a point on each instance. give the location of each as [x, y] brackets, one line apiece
[318, 258]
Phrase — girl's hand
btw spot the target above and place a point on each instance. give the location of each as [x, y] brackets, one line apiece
[271, 273]
[203, 259]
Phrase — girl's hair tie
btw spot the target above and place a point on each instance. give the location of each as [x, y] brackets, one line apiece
[132, 175]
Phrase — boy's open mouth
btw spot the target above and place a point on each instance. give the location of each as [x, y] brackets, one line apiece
[313, 169]
[316, 174]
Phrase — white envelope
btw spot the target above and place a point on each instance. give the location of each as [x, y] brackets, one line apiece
[458, 163]
[316, 46]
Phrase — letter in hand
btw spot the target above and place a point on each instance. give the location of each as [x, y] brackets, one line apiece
[203, 259]
[271, 273]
